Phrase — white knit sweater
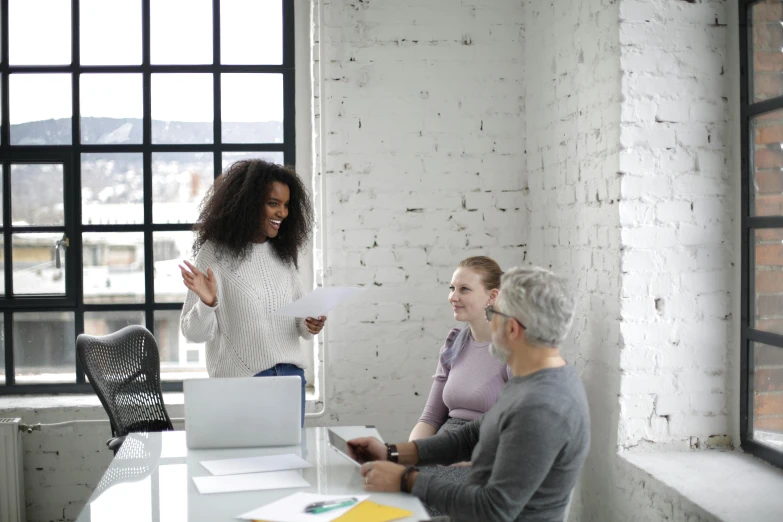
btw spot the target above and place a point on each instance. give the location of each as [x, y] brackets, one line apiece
[241, 334]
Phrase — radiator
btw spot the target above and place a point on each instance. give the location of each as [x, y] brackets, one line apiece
[11, 472]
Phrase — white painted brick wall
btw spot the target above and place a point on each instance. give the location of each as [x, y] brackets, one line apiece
[573, 130]
[423, 119]
[631, 197]
[673, 161]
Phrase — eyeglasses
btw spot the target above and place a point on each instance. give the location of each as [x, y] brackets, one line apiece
[490, 311]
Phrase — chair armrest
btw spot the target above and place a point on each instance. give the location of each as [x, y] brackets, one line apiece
[115, 443]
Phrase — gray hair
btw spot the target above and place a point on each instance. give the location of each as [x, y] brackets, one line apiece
[540, 300]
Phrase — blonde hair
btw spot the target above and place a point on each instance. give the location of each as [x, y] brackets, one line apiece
[487, 268]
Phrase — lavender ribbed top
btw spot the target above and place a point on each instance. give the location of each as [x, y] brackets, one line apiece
[467, 387]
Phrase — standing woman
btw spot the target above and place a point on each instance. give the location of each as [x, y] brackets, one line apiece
[254, 222]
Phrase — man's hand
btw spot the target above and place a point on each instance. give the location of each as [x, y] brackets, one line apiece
[366, 449]
[382, 476]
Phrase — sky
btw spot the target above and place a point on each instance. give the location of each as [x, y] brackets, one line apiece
[110, 34]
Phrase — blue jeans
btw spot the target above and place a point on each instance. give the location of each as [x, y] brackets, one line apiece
[284, 369]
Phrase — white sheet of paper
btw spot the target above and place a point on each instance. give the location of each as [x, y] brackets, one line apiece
[291, 508]
[318, 302]
[256, 464]
[250, 482]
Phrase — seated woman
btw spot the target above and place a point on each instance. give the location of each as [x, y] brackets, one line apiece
[468, 378]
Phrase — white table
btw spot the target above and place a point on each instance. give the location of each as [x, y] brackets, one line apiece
[150, 479]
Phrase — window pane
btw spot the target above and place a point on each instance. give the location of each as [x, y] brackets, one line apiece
[34, 264]
[2, 270]
[179, 358]
[41, 108]
[105, 323]
[113, 267]
[111, 108]
[229, 158]
[44, 347]
[110, 32]
[39, 32]
[767, 139]
[37, 194]
[768, 395]
[169, 249]
[251, 32]
[112, 189]
[767, 44]
[179, 182]
[768, 260]
[182, 108]
[252, 108]
[181, 31]
[2, 353]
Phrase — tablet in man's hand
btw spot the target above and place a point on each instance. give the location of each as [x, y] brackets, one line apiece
[341, 446]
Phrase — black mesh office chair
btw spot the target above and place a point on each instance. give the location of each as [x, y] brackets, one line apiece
[124, 370]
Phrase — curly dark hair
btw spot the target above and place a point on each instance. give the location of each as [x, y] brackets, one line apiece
[231, 212]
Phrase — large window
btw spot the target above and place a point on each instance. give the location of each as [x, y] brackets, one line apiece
[116, 118]
[761, 408]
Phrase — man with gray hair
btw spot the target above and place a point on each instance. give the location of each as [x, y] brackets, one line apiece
[527, 451]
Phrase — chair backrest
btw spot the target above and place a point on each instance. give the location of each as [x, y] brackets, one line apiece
[124, 370]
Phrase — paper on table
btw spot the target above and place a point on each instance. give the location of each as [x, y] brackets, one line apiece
[369, 511]
[255, 464]
[291, 508]
[318, 302]
[250, 482]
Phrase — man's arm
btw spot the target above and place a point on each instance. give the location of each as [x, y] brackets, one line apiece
[448, 447]
[527, 449]
[445, 448]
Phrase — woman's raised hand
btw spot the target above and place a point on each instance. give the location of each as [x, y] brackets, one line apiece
[202, 284]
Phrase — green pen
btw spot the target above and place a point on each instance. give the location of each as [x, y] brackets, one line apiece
[321, 507]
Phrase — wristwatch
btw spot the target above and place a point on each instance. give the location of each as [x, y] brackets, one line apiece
[392, 455]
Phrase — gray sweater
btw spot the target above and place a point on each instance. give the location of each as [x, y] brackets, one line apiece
[527, 452]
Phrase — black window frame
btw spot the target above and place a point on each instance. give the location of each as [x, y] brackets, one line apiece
[70, 156]
[749, 224]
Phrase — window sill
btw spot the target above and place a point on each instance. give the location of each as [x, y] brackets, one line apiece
[729, 486]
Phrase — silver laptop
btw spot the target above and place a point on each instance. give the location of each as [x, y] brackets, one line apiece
[243, 412]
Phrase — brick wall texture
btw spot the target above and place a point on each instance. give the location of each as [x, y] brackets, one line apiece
[573, 141]
[421, 163]
[630, 194]
[678, 224]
